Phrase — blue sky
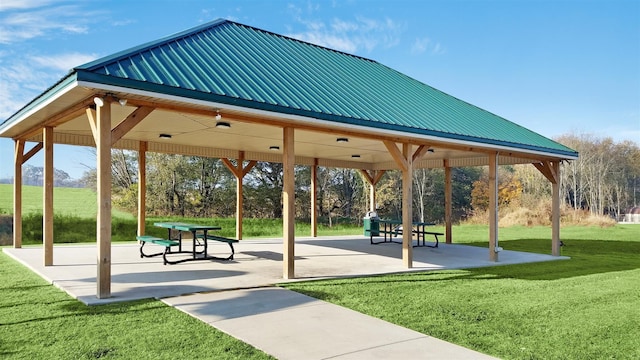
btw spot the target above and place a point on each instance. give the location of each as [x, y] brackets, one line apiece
[555, 67]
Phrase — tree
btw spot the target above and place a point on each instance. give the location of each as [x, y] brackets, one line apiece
[509, 189]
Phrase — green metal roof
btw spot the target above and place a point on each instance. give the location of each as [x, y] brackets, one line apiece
[235, 64]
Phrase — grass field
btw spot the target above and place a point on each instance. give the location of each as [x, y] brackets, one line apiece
[75, 219]
[584, 308]
[78, 202]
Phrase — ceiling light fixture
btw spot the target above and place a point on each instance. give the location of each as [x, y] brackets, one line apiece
[274, 148]
[218, 116]
[165, 136]
[342, 140]
[122, 102]
[431, 150]
[355, 156]
[222, 124]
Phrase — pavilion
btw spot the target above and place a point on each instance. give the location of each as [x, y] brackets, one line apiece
[231, 91]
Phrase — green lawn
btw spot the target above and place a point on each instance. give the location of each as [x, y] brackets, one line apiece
[39, 321]
[584, 308]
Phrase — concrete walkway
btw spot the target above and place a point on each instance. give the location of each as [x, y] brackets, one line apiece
[239, 297]
[289, 325]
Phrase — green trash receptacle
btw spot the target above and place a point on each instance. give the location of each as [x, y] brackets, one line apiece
[371, 224]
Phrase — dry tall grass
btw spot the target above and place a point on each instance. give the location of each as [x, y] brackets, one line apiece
[540, 215]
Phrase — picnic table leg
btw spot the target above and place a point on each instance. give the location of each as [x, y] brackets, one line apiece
[204, 238]
[194, 243]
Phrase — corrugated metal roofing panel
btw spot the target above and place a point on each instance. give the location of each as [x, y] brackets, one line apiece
[238, 62]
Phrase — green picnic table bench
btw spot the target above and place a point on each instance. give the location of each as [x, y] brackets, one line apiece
[144, 239]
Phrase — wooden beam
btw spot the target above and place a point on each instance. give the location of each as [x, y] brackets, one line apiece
[422, 149]
[142, 186]
[493, 206]
[91, 117]
[229, 165]
[129, 123]
[47, 197]
[407, 207]
[57, 119]
[17, 193]
[34, 150]
[378, 175]
[367, 177]
[555, 211]
[314, 198]
[248, 168]
[324, 128]
[397, 155]
[288, 203]
[548, 170]
[103, 226]
[448, 196]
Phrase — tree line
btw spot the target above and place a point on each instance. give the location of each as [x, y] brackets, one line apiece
[604, 180]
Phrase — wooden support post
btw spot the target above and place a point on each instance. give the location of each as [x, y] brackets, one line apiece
[555, 210]
[551, 170]
[372, 180]
[372, 197]
[17, 193]
[407, 207]
[239, 171]
[239, 196]
[448, 191]
[493, 206]
[142, 187]
[103, 227]
[288, 203]
[47, 197]
[314, 198]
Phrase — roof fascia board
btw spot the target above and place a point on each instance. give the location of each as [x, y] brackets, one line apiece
[65, 85]
[110, 84]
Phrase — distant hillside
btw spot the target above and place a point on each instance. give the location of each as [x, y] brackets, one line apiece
[33, 175]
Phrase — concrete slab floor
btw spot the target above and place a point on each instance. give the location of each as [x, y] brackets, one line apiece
[257, 263]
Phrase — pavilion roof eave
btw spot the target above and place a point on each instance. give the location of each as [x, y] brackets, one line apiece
[34, 111]
[9, 127]
[298, 117]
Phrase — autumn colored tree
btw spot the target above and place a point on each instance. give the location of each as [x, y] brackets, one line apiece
[509, 189]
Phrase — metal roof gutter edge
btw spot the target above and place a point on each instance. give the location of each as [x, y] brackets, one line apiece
[110, 83]
[48, 96]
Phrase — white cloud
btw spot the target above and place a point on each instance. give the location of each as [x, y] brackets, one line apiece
[352, 36]
[63, 62]
[22, 4]
[422, 45]
[39, 20]
[22, 78]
